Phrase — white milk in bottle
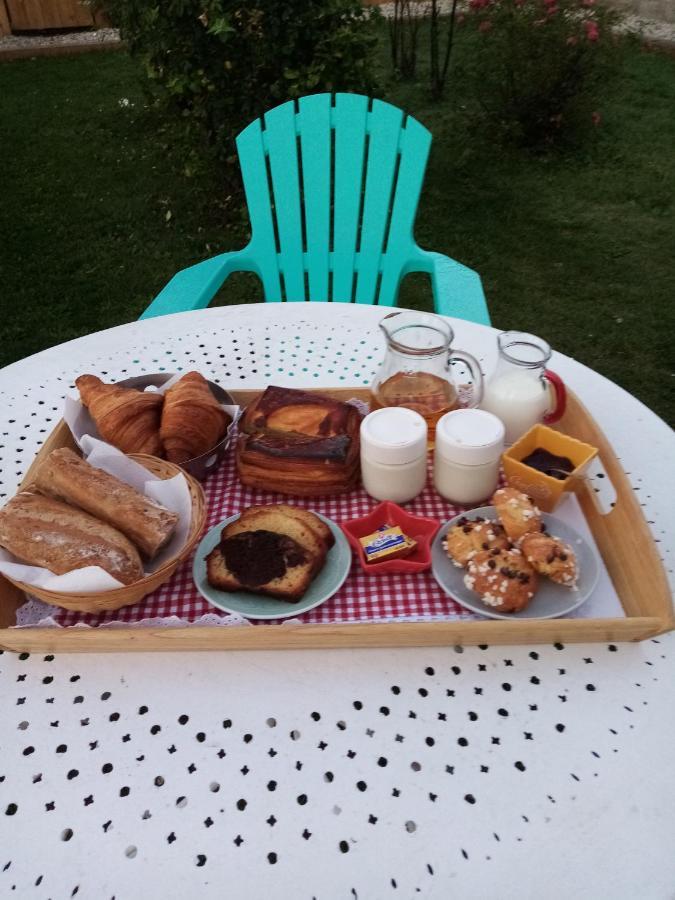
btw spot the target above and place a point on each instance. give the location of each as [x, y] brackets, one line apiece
[519, 391]
[519, 398]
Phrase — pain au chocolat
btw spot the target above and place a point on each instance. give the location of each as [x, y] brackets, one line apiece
[299, 443]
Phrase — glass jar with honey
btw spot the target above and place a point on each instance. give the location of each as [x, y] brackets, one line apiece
[416, 371]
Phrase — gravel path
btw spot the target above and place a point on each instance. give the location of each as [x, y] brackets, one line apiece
[78, 39]
[650, 29]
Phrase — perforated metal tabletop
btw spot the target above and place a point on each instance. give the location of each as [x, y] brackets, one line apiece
[474, 772]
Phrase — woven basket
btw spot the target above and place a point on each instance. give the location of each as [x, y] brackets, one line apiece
[132, 593]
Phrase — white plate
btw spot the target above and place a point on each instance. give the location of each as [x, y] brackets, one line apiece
[550, 601]
[258, 606]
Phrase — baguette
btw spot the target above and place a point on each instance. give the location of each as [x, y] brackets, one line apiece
[46, 532]
[65, 476]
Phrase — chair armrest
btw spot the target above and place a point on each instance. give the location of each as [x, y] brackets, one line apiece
[457, 289]
[194, 287]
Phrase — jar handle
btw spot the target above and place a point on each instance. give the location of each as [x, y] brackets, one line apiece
[474, 367]
[560, 397]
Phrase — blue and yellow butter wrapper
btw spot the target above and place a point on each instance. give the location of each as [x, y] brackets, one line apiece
[388, 542]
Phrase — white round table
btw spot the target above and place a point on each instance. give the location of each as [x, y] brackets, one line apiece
[483, 772]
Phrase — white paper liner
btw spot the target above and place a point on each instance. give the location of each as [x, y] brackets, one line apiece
[173, 493]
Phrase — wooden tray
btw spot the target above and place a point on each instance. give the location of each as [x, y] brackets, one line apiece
[622, 537]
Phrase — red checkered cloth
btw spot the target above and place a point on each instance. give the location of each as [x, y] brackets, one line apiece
[362, 597]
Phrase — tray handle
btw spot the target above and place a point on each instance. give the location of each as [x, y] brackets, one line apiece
[621, 533]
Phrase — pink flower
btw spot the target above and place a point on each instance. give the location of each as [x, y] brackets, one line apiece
[592, 32]
[552, 10]
[485, 26]
[588, 2]
[596, 118]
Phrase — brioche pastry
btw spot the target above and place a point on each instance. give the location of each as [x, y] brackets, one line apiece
[295, 442]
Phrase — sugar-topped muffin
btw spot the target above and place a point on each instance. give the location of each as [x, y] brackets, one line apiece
[469, 536]
[517, 513]
[503, 578]
[551, 557]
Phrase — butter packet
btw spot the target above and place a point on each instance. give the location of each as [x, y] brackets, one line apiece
[388, 542]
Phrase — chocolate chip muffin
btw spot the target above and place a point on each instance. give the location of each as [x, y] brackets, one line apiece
[469, 536]
[517, 513]
[504, 579]
[551, 557]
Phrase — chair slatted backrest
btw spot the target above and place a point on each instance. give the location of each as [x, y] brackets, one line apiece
[332, 186]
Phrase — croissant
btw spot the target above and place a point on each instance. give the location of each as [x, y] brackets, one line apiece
[126, 418]
[192, 419]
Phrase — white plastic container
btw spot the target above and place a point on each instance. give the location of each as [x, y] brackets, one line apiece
[394, 454]
[469, 445]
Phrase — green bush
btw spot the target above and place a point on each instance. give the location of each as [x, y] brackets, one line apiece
[539, 67]
[221, 63]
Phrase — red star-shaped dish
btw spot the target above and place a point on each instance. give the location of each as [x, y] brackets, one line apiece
[418, 528]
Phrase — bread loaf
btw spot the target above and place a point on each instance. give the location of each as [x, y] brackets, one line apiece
[276, 520]
[273, 550]
[45, 532]
[310, 519]
[65, 476]
[262, 562]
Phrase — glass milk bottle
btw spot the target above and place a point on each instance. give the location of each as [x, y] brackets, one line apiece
[522, 391]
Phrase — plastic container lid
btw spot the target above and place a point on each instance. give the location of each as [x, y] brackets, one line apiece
[393, 436]
[471, 437]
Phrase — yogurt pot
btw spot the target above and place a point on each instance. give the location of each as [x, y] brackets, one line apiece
[394, 454]
[469, 444]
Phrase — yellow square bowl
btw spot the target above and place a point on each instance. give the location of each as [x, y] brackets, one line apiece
[545, 490]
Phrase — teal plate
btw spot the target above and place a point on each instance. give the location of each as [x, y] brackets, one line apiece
[257, 606]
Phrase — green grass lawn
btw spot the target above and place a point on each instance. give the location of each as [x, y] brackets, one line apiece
[97, 213]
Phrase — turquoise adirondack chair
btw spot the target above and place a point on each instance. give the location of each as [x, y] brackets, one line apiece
[332, 186]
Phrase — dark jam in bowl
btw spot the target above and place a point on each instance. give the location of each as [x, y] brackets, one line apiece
[549, 464]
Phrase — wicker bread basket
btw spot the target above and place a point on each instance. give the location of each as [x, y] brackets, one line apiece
[132, 593]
